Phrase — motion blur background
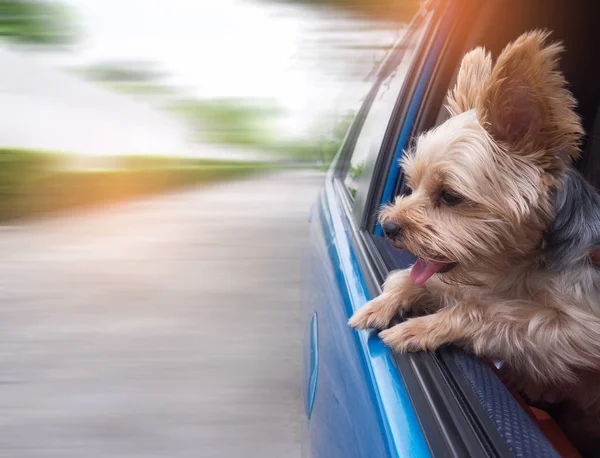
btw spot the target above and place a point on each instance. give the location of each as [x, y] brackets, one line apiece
[158, 160]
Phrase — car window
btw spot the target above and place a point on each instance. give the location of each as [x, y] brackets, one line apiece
[388, 86]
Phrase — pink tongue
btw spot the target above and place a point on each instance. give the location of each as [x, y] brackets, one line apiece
[422, 270]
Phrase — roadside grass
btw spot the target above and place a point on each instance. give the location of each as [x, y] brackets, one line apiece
[36, 183]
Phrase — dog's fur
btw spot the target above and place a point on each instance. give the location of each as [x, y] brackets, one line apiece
[495, 198]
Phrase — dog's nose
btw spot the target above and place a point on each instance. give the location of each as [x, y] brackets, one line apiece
[391, 230]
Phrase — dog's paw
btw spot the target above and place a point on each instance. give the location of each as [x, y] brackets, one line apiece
[376, 314]
[415, 334]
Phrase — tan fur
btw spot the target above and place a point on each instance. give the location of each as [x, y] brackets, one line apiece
[475, 68]
[512, 132]
[531, 64]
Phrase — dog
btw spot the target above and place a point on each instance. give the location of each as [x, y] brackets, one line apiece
[505, 233]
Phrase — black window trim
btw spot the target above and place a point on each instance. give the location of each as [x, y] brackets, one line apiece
[453, 421]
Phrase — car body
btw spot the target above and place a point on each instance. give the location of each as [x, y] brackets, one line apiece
[361, 400]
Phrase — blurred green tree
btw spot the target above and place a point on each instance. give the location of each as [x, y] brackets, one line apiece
[123, 72]
[244, 122]
[131, 77]
[37, 22]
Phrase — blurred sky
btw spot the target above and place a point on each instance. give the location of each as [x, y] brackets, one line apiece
[218, 48]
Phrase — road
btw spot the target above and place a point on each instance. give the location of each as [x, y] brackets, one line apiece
[165, 327]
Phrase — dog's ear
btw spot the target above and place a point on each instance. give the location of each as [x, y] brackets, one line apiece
[475, 68]
[526, 106]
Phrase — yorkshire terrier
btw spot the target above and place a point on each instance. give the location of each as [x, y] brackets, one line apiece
[505, 232]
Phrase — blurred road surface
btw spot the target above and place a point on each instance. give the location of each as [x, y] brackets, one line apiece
[166, 327]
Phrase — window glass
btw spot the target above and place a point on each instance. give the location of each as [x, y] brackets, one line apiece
[373, 130]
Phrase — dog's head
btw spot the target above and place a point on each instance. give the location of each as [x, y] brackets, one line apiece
[481, 183]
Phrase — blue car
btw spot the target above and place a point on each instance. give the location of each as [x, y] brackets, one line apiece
[361, 399]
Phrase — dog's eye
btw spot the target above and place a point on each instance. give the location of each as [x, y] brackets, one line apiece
[407, 190]
[450, 199]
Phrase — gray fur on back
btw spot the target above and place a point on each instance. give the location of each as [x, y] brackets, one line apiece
[576, 228]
